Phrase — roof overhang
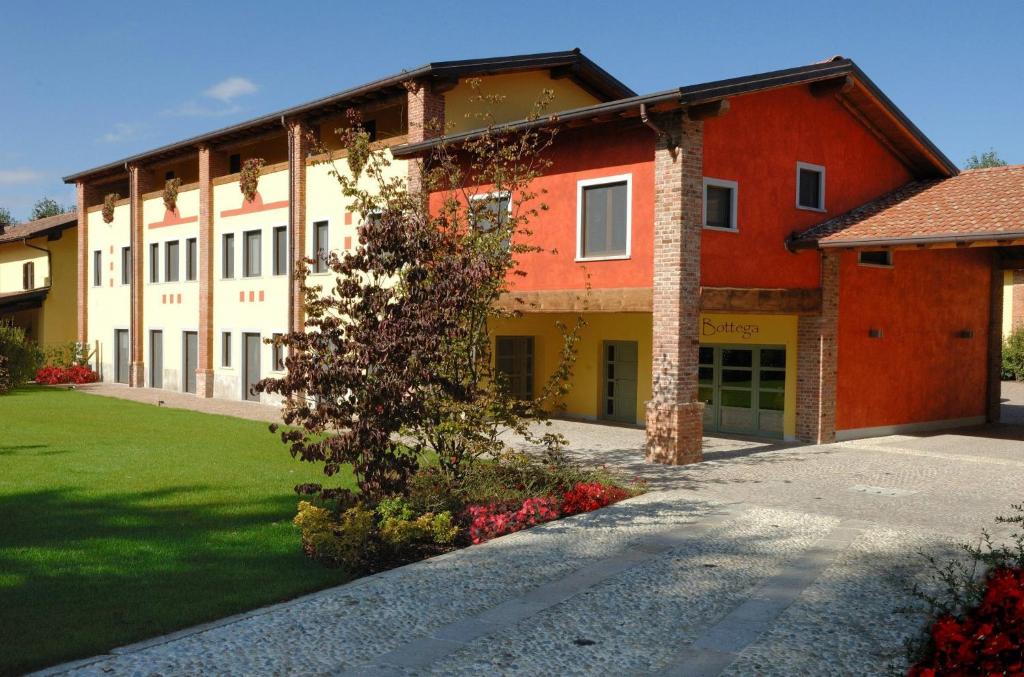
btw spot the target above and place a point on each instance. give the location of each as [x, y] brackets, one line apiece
[26, 300]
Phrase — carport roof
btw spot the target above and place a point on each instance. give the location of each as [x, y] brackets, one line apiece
[975, 206]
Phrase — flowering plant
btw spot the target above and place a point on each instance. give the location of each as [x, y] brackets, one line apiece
[587, 496]
[249, 178]
[493, 520]
[76, 373]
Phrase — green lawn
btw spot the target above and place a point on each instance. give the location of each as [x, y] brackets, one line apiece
[121, 521]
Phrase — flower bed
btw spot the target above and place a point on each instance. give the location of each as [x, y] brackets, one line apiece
[441, 513]
[988, 640]
[77, 374]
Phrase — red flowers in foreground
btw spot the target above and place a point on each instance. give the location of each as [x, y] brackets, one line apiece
[73, 374]
[987, 641]
[493, 520]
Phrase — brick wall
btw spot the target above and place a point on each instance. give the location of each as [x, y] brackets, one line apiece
[817, 352]
[85, 197]
[674, 415]
[425, 112]
[1018, 299]
[140, 181]
[211, 164]
[995, 340]
[299, 148]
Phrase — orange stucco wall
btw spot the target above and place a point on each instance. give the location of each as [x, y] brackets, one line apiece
[602, 150]
[757, 144]
[919, 370]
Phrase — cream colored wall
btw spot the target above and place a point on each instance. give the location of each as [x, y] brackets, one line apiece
[60, 316]
[520, 91]
[109, 305]
[13, 256]
[159, 313]
[231, 314]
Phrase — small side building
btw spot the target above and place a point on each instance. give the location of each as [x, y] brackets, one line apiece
[38, 285]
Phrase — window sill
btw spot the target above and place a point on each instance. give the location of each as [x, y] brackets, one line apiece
[820, 210]
[587, 259]
[719, 229]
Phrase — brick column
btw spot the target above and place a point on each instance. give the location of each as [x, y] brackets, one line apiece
[85, 197]
[674, 414]
[299, 147]
[995, 340]
[425, 112]
[1017, 309]
[817, 351]
[211, 164]
[140, 181]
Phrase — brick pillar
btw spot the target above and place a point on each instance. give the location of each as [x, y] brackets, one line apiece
[299, 147]
[425, 111]
[995, 340]
[211, 164]
[1017, 300]
[816, 360]
[140, 181]
[85, 197]
[674, 414]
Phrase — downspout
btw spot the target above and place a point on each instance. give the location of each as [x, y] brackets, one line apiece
[662, 134]
[291, 227]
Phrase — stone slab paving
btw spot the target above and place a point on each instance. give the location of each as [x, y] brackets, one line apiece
[766, 559]
[178, 400]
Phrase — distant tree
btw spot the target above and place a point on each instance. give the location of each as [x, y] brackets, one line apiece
[6, 218]
[47, 207]
[989, 158]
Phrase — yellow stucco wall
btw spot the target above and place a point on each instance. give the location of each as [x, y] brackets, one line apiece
[715, 329]
[109, 304]
[13, 255]
[56, 321]
[520, 91]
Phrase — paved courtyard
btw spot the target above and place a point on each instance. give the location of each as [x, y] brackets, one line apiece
[765, 559]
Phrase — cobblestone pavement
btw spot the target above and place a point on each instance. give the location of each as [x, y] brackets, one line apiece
[765, 559]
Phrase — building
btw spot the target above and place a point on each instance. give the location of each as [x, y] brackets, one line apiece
[37, 277]
[759, 256]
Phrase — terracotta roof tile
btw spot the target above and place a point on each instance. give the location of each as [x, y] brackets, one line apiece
[973, 205]
[38, 227]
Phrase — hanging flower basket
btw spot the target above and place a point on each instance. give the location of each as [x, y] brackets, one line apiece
[108, 207]
[171, 194]
[249, 179]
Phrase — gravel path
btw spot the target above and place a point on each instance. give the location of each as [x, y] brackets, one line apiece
[765, 559]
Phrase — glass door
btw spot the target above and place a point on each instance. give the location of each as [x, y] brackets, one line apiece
[736, 391]
[743, 389]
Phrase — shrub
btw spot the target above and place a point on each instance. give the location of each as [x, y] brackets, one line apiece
[585, 497]
[343, 542]
[77, 374]
[21, 353]
[402, 536]
[1013, 355]
[65, 354]
[6, 385]
[977, 619]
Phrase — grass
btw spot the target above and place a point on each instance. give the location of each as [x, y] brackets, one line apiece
[121, 521]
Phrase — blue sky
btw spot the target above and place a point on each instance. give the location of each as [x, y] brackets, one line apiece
[83, 84]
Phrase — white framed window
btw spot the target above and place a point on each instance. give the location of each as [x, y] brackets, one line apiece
[720, 201]
[875, 259]
[491, 210]
[604, 213]
[810, 187]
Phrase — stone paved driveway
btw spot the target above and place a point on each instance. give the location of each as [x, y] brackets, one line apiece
[765, 559]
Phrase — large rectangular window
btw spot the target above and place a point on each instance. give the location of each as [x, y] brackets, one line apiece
[171, 261]
[253, 247]
[154, 262]
[810, 186]
[228, 256]
[126, 265]
[603, 218]
[225, 349]
[720, 197]
[191, 259]
[513, 360]
[320, 246]
[28, 276]
[281, 250]
[97, 272]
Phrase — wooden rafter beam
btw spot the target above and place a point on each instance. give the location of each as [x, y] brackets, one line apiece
[823, 88]
[712, 109]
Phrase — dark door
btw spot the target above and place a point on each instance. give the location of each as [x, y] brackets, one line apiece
[122, 350]
[252, 365]
[619, 393]
[156, 359]
[191, 349]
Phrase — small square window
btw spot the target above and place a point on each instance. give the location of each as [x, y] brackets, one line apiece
[810, 186]
[225, 349]
[880, 259]
[720, 198]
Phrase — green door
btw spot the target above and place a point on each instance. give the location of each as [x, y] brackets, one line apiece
[618, 401]
[743, 389]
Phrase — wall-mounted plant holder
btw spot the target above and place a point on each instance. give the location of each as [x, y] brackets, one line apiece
[965, 334]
